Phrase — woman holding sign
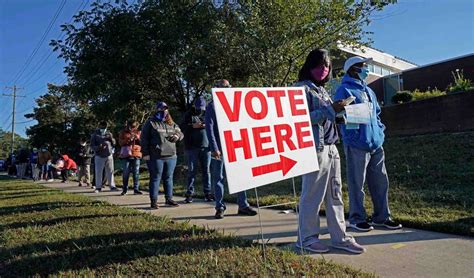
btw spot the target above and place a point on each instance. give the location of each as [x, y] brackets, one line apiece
[324, 184]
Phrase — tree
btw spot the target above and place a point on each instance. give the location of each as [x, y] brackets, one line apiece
[122, 59]
[61, 120]
[5, 143]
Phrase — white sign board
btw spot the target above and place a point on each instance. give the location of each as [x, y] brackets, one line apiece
[358, 113]
[265, 134]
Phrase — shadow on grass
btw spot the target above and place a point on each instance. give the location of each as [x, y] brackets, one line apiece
[29, 194]
[96, 251]
[51, 222]
[39, 207]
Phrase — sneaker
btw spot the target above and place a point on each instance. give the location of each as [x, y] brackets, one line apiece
[389, 224]
[137, 192]
[80, 184]
[50, 180]
[188, 199]
[113, 188]
[209, 197]
[93, 187]
[362, 226]
[247, 211]
[171, 202]
[316, 247]
[98, 190]
[219, 213]
[352, 247]
[123, 193]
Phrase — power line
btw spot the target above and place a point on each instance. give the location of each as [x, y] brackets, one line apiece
[35, 50]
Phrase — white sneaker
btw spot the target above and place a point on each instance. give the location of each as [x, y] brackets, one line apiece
[98, 190]
[352, 247]
[316, 247]
[50, 180]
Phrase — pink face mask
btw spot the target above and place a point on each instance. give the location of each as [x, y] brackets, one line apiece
[320, 72]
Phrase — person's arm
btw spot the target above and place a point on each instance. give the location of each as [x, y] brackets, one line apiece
[211, 125]
[378, 110]
[94, 145]
[318, 111]
[178, 133]
[145, 138]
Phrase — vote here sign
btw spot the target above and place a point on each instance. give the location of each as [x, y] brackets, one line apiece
[265, 133]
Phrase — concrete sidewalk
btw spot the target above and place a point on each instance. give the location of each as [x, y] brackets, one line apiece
[401, 253]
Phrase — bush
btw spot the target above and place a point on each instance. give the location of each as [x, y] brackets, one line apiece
[418, 95]
[461, 84]
[402, 97]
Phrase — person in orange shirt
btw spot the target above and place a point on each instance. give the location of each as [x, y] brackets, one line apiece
[69, 165]
[130, 154]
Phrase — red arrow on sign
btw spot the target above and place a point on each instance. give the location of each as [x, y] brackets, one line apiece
[285, 164]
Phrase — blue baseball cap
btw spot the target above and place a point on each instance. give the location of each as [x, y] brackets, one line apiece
[161, 105]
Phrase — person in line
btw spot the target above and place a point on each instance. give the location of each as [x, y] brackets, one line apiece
[68, 166]
[130, 154]
[158, 141]
[44, 163]
[197, 149]
[84, 156]
[22, 161]
[325, 184]
[102, 142]
[34, 164]
[217, 164]
[365, 157]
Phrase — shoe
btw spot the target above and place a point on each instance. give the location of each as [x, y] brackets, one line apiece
[93, 187]
[171, 202]
[389, 224]
[188, 199]
[123, 193]
[50, 180]
[362, 226]
[137, 192]
[209, 197]
[114, 188]
[98, 190]
[219, 213]
[153, 203]
[352, 247]
[80, 184]
[247, 211]
[63, 181]
[316, 247]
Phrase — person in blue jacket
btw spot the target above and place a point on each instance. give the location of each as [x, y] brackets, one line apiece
[217, 164]
[365, 158]
[325, 184]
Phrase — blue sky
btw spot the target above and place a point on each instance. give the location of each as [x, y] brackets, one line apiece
[421, 31]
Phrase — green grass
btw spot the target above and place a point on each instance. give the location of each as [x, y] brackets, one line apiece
[48, 232]
[431, 183]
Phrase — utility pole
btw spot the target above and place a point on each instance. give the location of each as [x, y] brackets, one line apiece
[14, 95]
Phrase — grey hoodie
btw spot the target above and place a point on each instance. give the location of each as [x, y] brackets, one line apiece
[102, 144]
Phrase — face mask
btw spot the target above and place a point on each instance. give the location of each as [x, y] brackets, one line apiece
[362, 72]
[102, 130]
[161, 116]
[83, 144]
[320, 72]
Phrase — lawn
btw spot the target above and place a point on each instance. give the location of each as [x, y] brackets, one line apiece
[431, 183]
[48, 232]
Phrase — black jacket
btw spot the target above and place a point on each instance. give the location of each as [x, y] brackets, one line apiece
[83, 155]
[194, 137]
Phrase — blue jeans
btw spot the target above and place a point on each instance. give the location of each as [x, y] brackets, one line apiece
[130, 165]
[217, 182]
[161, 169]
[204, 157]
[367, 165]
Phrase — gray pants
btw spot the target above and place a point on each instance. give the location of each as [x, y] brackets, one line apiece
[84, 174]
[100, 164]
[34, 171]
[318, 186]
[363, 165]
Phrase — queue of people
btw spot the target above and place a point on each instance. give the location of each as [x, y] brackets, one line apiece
[156, 142]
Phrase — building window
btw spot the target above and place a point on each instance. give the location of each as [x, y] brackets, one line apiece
[377, 70]
[385, 71]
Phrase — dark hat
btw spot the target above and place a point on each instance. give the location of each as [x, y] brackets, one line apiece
[161, 105]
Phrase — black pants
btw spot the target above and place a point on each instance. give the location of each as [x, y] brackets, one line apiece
[64, 175]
